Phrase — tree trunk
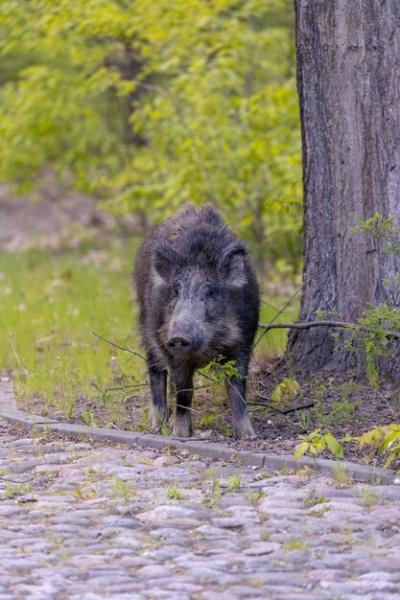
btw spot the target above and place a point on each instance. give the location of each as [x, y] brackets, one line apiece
[348, 71]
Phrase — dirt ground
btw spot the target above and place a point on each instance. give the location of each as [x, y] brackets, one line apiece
[338, 403]
[53, 219]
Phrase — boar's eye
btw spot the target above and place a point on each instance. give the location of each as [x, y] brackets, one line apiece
[176, 290]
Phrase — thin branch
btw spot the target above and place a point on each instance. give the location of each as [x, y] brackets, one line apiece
[303, 325]
[126, 387]
[284, 307]
[118, 346]
[308, 324]
[279, 410]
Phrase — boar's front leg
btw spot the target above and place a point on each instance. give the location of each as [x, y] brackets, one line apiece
[236, 388]
[159, 412]
[182, 380]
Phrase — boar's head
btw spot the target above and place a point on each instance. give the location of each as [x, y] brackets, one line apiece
[203, 278]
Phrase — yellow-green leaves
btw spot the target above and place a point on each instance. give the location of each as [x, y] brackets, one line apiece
[383, 440]
[285, 392]
[152, 104]
[317, 442]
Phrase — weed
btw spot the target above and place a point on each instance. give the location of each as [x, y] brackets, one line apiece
[234, 483]
[305, 421]
[122, 489]
[207, 420]
[16, 489]
[294, 544]
[314, 500]
[341, 476]
[88, 418]
[213, 494]
[86, 494]
[255, 496]
[174, 494]
[369, 498]
[316, 442]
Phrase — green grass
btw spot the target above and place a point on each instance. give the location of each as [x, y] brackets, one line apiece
[49, 307]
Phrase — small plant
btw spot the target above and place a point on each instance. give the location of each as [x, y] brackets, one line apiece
[341, 476]
[15, 489]
[174, 494]
[317, 442]
[85, 493]
[220, 369]
[213, 492]
[285, 392]
[304, 420]
[255, 496]
[369, 498]
[88, 418]
[294, 544]
[314, 500]
[341, 412]
[234, 483]
[207, 420]
[384, 440]
[122, 489]
[373, 330]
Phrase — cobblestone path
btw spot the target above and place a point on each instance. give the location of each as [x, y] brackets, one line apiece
[84, 522]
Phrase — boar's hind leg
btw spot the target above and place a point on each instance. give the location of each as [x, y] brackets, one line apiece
[182, 380]
[236, 387]
[158, 383]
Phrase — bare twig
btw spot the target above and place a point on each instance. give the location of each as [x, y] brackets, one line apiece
[325, 323]
[284, 307]
[118, 346]
[125, 387]
[279, 410]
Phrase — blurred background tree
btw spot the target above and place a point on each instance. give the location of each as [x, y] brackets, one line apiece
[147, 105]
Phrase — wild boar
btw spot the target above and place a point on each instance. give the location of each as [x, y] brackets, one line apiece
[199, 301]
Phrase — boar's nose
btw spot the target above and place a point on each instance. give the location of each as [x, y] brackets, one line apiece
[179, 344]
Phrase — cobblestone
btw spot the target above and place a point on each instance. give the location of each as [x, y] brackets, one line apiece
[85, 521]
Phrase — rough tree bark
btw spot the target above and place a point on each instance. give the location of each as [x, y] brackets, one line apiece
[348, 70]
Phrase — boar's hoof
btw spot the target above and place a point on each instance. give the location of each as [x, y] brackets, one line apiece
[159, 417]
[243, 429]
[182, 426]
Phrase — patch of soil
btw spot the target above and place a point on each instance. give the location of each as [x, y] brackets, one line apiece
[335, 402]
[55, 219]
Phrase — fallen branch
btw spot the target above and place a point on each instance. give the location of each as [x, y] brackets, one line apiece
[279, 410]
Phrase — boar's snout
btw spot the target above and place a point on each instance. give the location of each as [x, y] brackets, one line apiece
[179, 344]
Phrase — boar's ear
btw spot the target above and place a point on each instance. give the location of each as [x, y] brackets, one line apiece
[165, 260]
[233, 265]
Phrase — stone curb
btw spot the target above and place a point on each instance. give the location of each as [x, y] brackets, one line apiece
[210, 450]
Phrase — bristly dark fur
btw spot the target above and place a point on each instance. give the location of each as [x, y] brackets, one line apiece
[186, 254]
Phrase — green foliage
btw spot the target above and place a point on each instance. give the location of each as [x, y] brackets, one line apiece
[381, 228]
[234, 483]
[383, 440]
[374, 329]
[284, 392]
[220, 369]
[122, 489]
[174, 494]
[152, 104]
[316, 442]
